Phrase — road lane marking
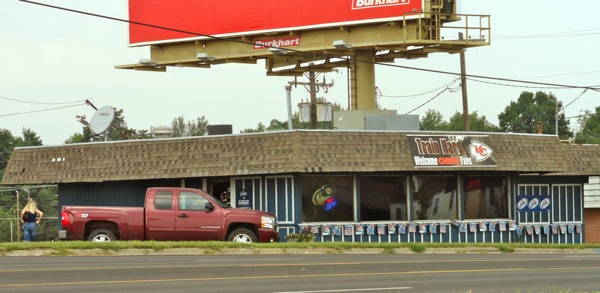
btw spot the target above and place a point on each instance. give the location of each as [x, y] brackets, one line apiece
[290, 276]
[348, 290]
[563, 258]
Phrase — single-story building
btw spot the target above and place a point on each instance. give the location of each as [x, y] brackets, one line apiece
[353, 186]
[591, 212]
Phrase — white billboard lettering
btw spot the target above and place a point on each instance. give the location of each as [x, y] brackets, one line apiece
[279, 42]
[359, 4]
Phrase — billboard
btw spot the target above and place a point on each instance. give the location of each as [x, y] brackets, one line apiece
[197, 19]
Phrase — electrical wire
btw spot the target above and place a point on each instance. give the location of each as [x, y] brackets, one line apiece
[418, 95]
[585, 90]
[297, 51]
[42, 110]
[426, 102]
[577, 33]
[41, 103]
[517, 86]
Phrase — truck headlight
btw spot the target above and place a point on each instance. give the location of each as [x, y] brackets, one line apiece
[268, 222]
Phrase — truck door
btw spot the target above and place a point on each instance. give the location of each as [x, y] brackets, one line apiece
[193, 221]
[160, 215]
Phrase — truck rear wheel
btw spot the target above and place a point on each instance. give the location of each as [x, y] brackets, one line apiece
[101, 235]
[242, 235]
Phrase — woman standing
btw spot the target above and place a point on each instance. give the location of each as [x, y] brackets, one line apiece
[30, 217]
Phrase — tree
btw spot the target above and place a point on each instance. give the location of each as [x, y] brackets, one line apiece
[30, 138]
[7, 144]
[45, 197]
[260, 128]
[191, 128]
[433, 120]
[117, 130]
[75, 138]
[533, 111]
[477, 123]
[296, 124]
[590, 127]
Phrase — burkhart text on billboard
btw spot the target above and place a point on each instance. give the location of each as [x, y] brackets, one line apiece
[450, 150]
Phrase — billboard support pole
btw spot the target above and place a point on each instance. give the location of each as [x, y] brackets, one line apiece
[363, 67]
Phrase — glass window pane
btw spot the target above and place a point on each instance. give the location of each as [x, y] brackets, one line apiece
[434, 197]
[191, 201]
[163, 200]
[486, 197]
[382, 198]
[327, 198]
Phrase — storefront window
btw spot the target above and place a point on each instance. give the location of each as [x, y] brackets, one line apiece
[327, 198]
[486, 197]
[382, 198]
[434, 197]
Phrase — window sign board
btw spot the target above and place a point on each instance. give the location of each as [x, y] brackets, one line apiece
[451, 150]
[534, 203]
[244, 199]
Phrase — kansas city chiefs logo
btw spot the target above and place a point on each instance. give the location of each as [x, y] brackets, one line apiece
[480, 151]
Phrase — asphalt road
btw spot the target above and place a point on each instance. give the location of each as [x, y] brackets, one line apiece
[304, 273]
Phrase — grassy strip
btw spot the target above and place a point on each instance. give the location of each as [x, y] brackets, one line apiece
[216, 247]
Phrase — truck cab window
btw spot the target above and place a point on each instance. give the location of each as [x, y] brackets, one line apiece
[163, 200]
[192, 201]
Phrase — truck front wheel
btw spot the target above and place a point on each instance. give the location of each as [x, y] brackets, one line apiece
[101, 235]
[242, 235]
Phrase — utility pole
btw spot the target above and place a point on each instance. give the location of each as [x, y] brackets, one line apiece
[313, 99]
[313, 88]
[288, 97]
[463, 85]
[18, 219]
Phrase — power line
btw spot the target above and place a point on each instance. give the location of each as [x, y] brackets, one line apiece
[41, 103]
[42, 110]
[297, 51]
[585, 90]
[517, 86]
[417, 95]
[447, 88]
[577, 33]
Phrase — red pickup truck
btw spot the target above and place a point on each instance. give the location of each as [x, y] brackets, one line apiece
[172, 214]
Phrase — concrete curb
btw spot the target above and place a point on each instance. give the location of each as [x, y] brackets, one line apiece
[268, 251]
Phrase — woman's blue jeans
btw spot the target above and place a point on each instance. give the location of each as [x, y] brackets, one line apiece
[29, 231]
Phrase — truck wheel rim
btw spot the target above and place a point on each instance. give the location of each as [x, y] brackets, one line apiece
[242, 238]
[101, 238]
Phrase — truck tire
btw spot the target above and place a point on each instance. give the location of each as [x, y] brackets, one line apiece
[242, 235]
[101, 235]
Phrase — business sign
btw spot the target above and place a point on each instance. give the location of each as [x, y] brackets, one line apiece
[197, 19]
[244, 200]
[533, 203]
[451, 150]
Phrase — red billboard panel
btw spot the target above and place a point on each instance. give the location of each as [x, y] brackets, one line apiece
[195, 19]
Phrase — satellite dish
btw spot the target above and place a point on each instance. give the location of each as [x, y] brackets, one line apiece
[102, 119]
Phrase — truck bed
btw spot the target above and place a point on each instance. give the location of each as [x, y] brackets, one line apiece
[129, 221]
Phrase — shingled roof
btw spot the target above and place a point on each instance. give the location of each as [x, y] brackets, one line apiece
[276, 153]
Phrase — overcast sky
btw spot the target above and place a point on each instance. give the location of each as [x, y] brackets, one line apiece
[51, 58]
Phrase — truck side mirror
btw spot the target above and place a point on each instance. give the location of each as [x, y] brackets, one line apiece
[209, 206]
